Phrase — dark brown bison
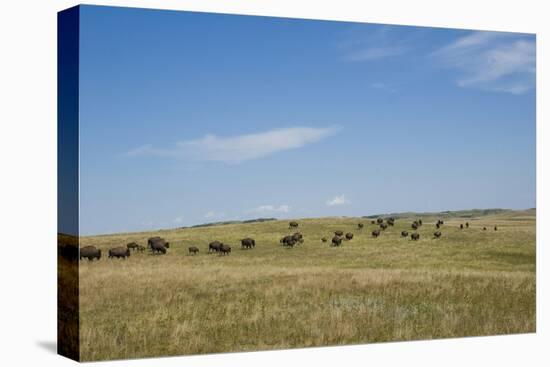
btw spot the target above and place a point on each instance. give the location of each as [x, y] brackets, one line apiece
[288, 241]
[193, 250]
[132, 246]
[414, 225]
[440, 222]
[225, 249]
[214, 246]
[376, 233]
[293, 225]
[159, 247]
[484, 228]
[158, 240]
[415, 236]
[298, 238]
[467, 225]
[336, 241]
[419, 222]
[349, 236]
[359, 225]
[461, 226]
[119, 252]
[437, 234]
[437, 225]
[383, 226]
[404, 233]
[372, 222]
[496, 228]
[248, 243]
[379, 220]
[390, 221]
[339, 233]
[324, 239]
[90, 253]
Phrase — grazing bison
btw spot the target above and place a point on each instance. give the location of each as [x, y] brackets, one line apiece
[495, 228]
[376, 233]
[383, 226]
[339, 233]
[225, 249]
[214, 246]
[467, 225]
[248, 243]
[484, 228]
[159, 247]
[336, 241]
[390, 221]
[90, 253]
[359, 225]
[437, 225]
[324, 239]
[349, 236]
[419, 222]
[298, 238]
[141, 248]
[404, 233]
[414, 225]
[293, 225]
[461, 226]
[193, 250]
[372, 222]
[437, 234]
[288, 241]
[159, 241]
[379, 220]
[415, 236]
[132, 246]
[119, 252]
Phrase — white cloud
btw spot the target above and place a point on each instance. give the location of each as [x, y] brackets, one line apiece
[240, 148]
[493, 61]
[211, 214]
[383, 86]
[271, 208]
[338, 200]
[374, 53]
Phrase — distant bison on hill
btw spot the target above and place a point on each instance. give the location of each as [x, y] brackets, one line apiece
[414, 225]
[467, 225]
[404, 233]
[288, 241]
[437, 234]
[383, 226]
[376, 233]
[336, 241]
[339, 233]
[390, 221]
[293, 225]
[90, 253]
[298, 237]
[360, 225]
[159, 247]
[324, 239]
[484, 228]
[119, 252]
[372, 222]
[461, 226]
[159, 241]
[248, 243]
[193, 250]
[415, 236]
[349, 236]
[379, 220]
[496, 228]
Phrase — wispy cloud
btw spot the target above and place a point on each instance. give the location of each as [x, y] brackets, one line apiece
[384, 87]
[178, 219]
[213, 214]
[271, 209]
[373, 53]
[240, 148]
[493, 61]
[338, 200]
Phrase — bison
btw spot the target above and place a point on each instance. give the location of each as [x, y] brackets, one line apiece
[336, 241]
[132, 246]
[461, 226]
[437, 234]
[159, 241]
[339, 233]
[376, 233]
[90, 253]
[193, 250]
[467, 225]
[359, 225]
[141, 248]
[119, 252]
[288, 241]
[159, 247]
[383, 226]
[293, 225]
[415, 236]
[349, 236]
[324, 239]
[495, 228]
[414, 225]
[214, 246]
[248, 243]
[379, 220]
[404, 233]
[372, 222]
[390, 221]
[298, 238]
[225, 249]
[484, 228]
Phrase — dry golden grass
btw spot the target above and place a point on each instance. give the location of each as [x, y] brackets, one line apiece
[469, 282]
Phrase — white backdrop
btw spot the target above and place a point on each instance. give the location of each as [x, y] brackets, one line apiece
[28, 183]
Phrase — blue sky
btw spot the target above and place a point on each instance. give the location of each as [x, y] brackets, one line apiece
[188, 118]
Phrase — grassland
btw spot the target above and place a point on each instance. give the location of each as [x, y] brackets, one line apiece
[469, 282]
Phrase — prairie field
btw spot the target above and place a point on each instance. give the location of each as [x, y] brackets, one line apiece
[469, 282]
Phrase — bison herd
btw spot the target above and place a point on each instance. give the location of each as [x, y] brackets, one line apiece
[159, 246]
